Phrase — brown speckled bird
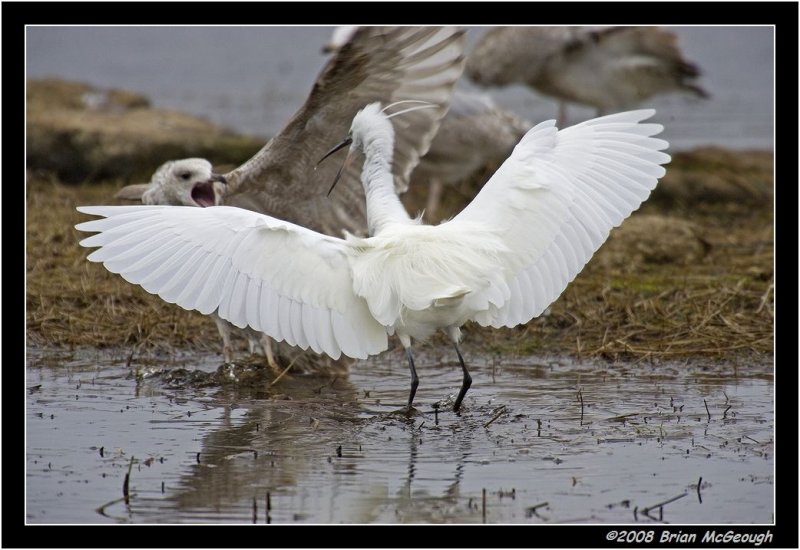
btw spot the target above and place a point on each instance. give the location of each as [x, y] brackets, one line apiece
[610, 69]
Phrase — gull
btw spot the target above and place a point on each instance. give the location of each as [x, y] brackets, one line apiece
[499, 262]
[371, 64]
[474, 135]
[609, 69]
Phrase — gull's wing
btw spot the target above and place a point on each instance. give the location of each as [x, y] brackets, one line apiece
[385, 64]
[506, 55]
[554, 201]
[279, 278]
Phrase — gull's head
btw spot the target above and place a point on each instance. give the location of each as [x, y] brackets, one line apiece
[186, 182]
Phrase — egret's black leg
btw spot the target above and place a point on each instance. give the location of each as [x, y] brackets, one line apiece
[465, 384]
[414, 378]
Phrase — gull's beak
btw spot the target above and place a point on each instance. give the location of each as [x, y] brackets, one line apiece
[341, 145]
[209, 192]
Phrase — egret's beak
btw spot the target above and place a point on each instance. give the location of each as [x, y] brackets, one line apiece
[342, 145]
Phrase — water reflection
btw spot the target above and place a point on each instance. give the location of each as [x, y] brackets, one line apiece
[334, 451]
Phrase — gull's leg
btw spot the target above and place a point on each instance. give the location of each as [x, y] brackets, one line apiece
[266, 345]
[224, 329]
[455, 336]
[561, 120]
[406, 341]
[434, 197]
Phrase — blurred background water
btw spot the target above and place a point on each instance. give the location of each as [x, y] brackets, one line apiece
[252, 79]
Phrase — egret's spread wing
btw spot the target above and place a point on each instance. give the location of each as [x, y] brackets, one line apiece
[385, 64]
[554, 201]
[279, 278]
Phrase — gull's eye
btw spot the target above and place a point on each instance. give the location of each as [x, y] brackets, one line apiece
[185, 175]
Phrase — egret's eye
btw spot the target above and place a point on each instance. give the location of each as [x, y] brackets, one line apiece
[185, 175]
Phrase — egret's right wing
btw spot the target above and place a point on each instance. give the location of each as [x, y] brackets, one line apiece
[385, 64]
[279, 278]
[554, 201]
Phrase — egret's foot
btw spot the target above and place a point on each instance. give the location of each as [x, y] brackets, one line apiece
[458, 408]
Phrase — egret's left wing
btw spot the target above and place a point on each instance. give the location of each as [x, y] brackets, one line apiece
[281, 279]
[554, 201]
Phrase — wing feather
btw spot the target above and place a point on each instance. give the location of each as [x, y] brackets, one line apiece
[554, 202]
[383, 64]
[278, 278]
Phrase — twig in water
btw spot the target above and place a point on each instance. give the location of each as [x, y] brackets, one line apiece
[102, 509]
[277, 378]
[707, 411]
[751, 439]
[531, 510]
[660, 506]
[126, 483]
[725, 412]
[580, 397]
[255, 510]
[497, 415]
[699, 481]
[483, 506]
[269, 507]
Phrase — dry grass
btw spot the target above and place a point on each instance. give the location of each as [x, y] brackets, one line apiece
[72, 302]
[716, 303]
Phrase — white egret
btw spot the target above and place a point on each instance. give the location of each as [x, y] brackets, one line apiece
[609, 69]
[500, 262]
[371, 64]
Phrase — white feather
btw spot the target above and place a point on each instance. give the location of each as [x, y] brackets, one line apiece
[239, 252]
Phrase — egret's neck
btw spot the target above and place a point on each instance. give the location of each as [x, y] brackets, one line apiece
[383, 205]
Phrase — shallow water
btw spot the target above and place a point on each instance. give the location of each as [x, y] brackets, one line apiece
[252, 79]
[332, 450]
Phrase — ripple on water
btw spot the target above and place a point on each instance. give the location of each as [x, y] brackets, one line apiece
[591, 440]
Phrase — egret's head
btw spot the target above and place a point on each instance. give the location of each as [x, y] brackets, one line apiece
[369, 125]
[187, 182]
